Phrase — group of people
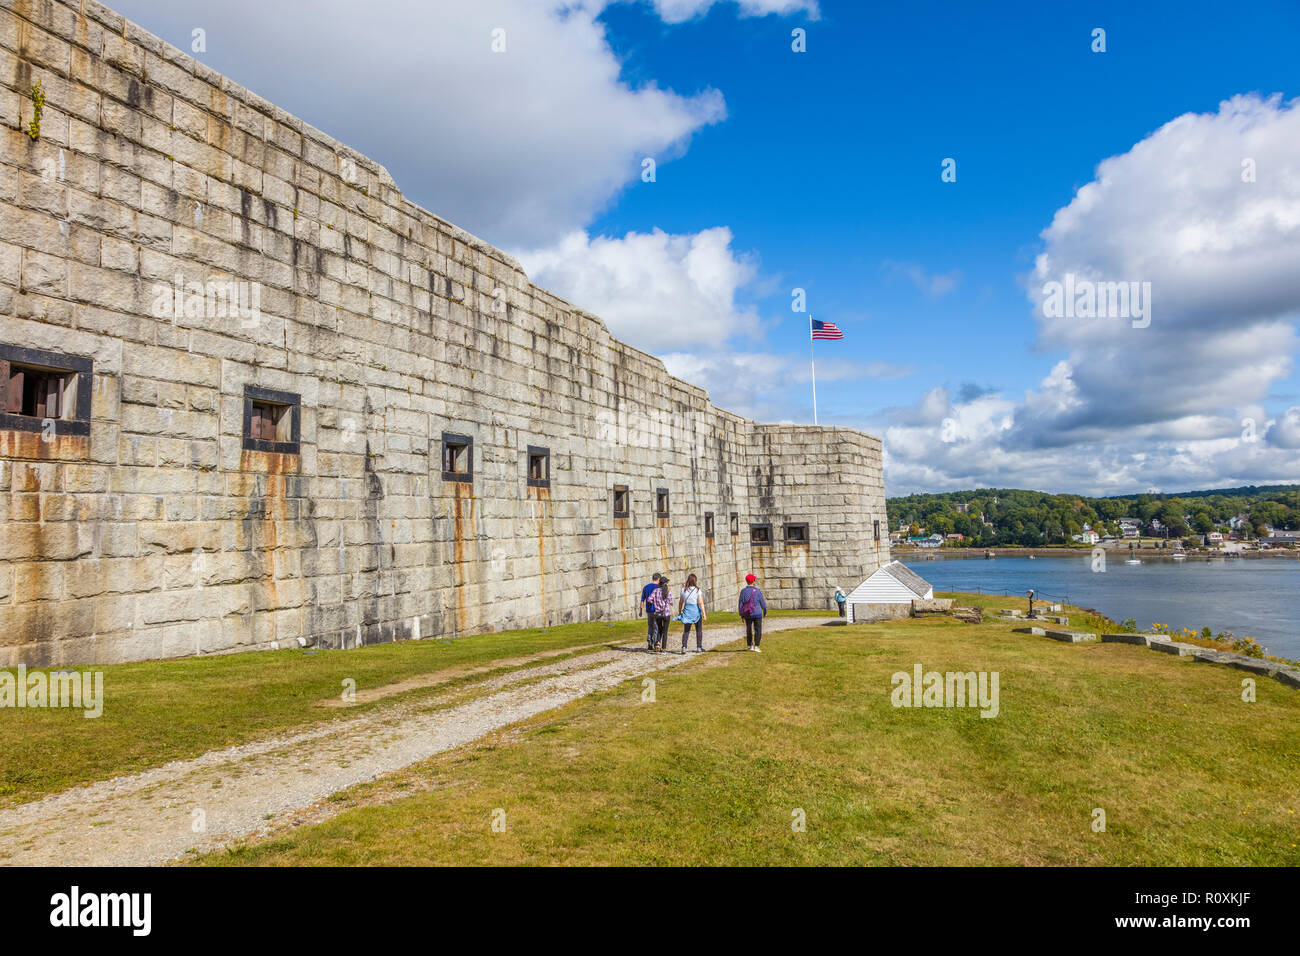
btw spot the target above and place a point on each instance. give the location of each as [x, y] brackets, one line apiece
[658, 602]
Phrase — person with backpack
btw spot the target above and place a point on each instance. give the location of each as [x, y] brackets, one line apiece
[840, 599]
[649, 614]
[690, 609]
[661, 604]
[752, 608]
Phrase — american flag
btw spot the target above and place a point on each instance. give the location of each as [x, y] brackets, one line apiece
[825, 330]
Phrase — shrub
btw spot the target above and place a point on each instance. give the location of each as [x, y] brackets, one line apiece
[1243, 645]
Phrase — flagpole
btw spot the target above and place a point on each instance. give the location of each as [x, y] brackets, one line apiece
[813, 364]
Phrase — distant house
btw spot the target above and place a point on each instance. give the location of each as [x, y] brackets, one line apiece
[1129, 529]
[888, 593]
[957, 538]
[895, 537]
[1214, 538]
[963, 508]
[1088, 537]
[929, 541]
[1281, 539]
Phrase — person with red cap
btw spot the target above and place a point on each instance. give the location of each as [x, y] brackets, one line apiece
[752, 608]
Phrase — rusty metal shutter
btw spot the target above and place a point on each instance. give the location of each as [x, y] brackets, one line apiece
[47, 401]
[14, 400]
[263, 424]
[53, 396]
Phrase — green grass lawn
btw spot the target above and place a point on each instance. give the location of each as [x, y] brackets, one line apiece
[159, 711]
[737, 745]
[165, 710]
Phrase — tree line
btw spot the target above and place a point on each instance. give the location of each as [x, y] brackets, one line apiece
[1008, 516]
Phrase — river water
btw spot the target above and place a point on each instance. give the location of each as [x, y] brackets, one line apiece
[1257, 598]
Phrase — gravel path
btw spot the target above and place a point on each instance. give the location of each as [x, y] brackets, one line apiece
[153, 817]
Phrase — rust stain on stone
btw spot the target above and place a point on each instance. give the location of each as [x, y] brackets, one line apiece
[269, 463]
[621, 525]
[33, 445]
[541, 498]
[708, 564]
[462, 524]
[264, 480]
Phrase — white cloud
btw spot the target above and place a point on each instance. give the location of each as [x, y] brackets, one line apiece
[1160, 406]
[1220, 254]
[935, 285]
[657, 291]
[680, 297]
[764, 385]
[677, 11]
[1285, 432]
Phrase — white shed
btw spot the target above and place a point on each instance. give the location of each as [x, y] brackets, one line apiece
[888, 592]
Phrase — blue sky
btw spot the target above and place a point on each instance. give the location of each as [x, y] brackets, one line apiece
[821, 170]
[828, 163]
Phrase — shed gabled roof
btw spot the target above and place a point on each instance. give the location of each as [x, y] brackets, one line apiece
[906, 577]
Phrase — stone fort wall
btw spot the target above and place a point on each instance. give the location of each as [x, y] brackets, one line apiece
[152, 517]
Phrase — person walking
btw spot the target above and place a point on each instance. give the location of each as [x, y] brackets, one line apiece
[661, 603]
[840, 599]
[752, 608]
[690, 608]
[649, 613]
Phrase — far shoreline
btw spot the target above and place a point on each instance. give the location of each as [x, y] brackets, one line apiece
[1059, 552]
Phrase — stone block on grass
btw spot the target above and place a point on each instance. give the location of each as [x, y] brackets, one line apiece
[1070, 637]
[1174, 647]
[1139, 639]
[1254, 665]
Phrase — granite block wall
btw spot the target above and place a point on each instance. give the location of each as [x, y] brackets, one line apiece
[189, 256]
